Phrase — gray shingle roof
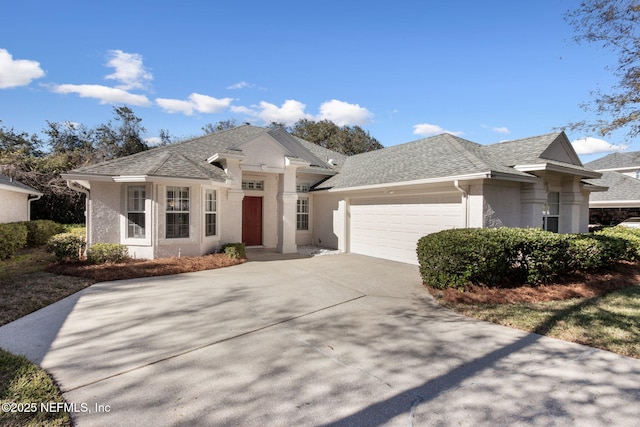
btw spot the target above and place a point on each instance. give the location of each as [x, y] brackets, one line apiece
[188, 159]
[615, 161]
[443, 156]
[621, 187]
[440, 156]
[5, 180]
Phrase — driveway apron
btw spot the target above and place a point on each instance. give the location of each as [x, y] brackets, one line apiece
[330, 340]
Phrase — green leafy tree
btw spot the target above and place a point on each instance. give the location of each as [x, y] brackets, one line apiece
[347, 140]
[614, 25]
[122, 139]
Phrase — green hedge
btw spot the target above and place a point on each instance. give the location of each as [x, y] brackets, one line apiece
[235, 250]
[40, 231]
[13, 238]
[502, 257]
[101, 253]
[630, 235]
[67, 246]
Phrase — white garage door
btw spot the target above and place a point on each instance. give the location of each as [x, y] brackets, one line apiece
[390, 227]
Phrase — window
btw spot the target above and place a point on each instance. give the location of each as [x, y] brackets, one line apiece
[210, 213]
[551, 213]
[136, 198]
[253, 185]
[302, 188]
[177, 212]
[302, 219]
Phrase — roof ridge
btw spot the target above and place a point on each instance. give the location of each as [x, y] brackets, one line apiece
[471, 157]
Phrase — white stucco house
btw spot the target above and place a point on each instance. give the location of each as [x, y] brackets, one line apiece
[15, 200]
[265, 187]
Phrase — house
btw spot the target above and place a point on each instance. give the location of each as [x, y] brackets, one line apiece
[267, 188]
[621, 175]
[15, 200]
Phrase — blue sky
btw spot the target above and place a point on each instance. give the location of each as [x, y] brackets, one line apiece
[487, 71]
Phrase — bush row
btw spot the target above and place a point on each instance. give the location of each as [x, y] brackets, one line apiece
[500, 257]
[14, 236]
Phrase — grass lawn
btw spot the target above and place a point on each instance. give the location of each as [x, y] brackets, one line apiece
[29, 282]
[599, 310]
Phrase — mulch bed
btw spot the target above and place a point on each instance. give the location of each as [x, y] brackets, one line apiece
[133, 268]
[577, 286]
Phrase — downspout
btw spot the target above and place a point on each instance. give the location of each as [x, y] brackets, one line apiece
[29, 205]
[465, 197]
[72, 185]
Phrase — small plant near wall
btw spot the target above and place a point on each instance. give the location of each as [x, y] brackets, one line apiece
[234, 250]
[67, 246]
[102, 253]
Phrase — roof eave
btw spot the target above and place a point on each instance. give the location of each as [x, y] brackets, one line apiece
[17, 189]
[538, 167]
[469, 177]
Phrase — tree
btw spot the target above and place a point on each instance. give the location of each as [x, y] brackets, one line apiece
[343, 139]
[220, 126]
[123, 140]
[613, 24]
[72, 140]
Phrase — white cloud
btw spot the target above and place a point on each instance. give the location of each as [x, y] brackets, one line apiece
[106, 95]
[590, 145]
[17, 72]
[290, 112]
[195, 103]
[503, 130]
[153, 141]
[426, 129]
[344, 114]
[240, 85]
[339, 112]
[128, 70]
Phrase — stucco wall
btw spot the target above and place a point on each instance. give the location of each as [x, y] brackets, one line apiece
[105, 212]
[501, 205]
[13, 206]
[328, 220]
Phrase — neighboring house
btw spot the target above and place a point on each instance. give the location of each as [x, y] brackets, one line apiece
[15, 200]
[620, 173]
[265, 187]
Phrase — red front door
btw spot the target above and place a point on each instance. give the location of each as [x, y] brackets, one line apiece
[252, 221]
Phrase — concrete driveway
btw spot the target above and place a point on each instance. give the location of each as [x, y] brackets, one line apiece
[332, 340]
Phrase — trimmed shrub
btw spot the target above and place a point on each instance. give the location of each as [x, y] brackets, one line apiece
[234, 250]
[67, 246]
[589, 252]
[101, 253]
[40, 231]
[13, 237]
[630, 235]
[492, 257]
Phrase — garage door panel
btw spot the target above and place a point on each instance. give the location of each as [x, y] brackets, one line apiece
[388, 228]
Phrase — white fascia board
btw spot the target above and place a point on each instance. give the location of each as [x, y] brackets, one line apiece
[292, 161]
[225, 156]
[131, 178]
[483, 175]
[557, 168]
[614, 203]
[19, 190]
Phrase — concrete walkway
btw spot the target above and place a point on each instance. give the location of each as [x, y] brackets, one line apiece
[333, 340]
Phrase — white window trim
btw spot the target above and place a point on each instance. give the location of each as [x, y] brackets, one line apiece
[205, 212]
[190, 238]
[309, 222]
[148, 218]
[546, 214]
